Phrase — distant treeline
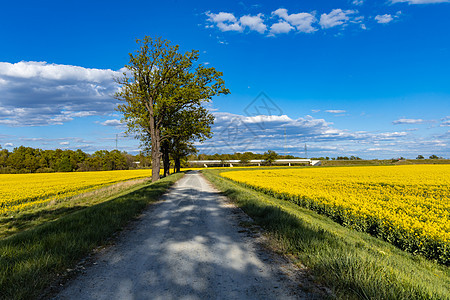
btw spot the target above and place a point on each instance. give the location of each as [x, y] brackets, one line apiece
[31, 160]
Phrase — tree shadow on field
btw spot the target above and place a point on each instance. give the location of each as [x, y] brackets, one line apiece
[13, 224]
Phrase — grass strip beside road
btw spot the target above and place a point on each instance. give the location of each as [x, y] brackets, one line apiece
[354, 265]
[30, 260]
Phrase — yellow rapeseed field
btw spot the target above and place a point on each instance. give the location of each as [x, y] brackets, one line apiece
[408, 206]
[20, 191]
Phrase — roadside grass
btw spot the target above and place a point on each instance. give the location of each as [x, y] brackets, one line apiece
[354, 265]
[31, 260]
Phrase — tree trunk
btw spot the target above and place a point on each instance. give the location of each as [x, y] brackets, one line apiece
[156, 146]
[177, 164]
[166, 158]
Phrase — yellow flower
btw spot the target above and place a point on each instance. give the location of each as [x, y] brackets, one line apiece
[410, 202]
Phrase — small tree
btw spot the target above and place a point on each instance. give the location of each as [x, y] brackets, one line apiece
[434, 156]
[181, 130]
[420, 157]
[270, 156]
[180, 152]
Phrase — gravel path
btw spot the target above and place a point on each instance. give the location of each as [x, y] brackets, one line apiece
[189, 246]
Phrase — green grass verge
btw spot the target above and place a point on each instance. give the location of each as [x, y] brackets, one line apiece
[354, 265]
[30, 260]
[12, 223]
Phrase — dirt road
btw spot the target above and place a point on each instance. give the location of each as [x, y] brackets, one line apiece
[188, 246]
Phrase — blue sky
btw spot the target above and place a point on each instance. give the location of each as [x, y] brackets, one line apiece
[366, 78]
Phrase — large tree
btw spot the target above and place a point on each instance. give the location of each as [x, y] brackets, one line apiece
[160, 81]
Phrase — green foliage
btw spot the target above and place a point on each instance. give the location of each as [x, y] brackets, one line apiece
[270, 156]
[64, 165]
[352, 157]
[162, 94]
[31, 160]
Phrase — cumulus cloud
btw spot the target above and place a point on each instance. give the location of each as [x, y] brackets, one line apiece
[384, 19]
[420, 1]
[228, 22]
[224, 21]
[113, 122]
[282, 22]
[302, 21]
[280, 27]
[236, 133]
[335, 18]
[39, 93]
[255, 23]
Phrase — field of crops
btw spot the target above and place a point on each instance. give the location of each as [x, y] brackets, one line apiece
[408, 206]
[20, 191]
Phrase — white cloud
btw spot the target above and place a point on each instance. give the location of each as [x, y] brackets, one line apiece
[255, 23]
[64, 143]
[236, 133]
[221, 17]
[389, 135]
[113, 122]
[283, 22]
[228, 22]
[46, 71]
[383, 19]
[9, 145]
[358, 2]
[302, 21]
[39, 93]
[336, 111]
[224, 21]
[445, 121]
[420, 1]
[409, 121]
[281, 27]
[335, 18]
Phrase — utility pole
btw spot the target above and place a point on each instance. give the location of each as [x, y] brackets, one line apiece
[116, 139]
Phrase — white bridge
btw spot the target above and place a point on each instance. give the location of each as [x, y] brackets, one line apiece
[258, 162]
